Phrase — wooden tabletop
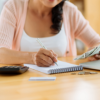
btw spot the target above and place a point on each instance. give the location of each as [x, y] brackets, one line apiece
[65, 87]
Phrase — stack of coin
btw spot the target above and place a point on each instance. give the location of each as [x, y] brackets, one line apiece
[84, 73]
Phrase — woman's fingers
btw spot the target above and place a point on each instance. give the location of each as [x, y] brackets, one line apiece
[49, 54]
[45, 58]
[43, 63]
[97, 56]
[92, 58]
[55, 55]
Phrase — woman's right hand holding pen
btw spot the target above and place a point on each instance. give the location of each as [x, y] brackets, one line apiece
[44, 58]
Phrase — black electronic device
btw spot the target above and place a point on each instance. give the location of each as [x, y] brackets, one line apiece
[13, 69]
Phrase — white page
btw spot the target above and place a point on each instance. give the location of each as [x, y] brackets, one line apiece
[46, 69]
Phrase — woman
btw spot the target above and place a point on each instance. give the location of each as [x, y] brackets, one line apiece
[56, 22]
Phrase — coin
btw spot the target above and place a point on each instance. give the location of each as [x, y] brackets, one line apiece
[87, 72]
[81, 73]
[73, 73]
[93, 73]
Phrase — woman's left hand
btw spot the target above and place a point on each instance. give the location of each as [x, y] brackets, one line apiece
[95, 57]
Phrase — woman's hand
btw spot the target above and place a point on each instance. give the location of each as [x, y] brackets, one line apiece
[45, 58]
[95, 57]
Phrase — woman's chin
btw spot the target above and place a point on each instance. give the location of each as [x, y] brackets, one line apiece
[50, 6]
[50, 3]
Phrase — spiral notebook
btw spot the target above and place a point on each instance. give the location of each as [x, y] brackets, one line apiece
[62, 67]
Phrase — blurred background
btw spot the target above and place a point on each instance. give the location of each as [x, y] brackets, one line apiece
[90, 10]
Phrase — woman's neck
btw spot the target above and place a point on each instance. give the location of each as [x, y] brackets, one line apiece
[39, 9]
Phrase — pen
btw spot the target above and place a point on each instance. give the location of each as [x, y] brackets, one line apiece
[38, 40]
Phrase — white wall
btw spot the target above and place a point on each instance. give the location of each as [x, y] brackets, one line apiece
[1, 4]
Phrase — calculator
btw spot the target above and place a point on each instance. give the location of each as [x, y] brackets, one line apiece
[13, 69]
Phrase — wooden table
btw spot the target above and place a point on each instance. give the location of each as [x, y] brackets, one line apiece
[65, 87]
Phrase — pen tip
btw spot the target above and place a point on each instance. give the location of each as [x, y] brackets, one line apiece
[56, 64]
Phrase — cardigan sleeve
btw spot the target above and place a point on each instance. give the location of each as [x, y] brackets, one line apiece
[83, 30]
[7, 24]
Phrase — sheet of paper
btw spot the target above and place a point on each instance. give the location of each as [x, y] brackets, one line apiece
[61, 65]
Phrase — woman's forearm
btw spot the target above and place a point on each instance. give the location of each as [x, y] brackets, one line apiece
[93, 46]
[8, 56]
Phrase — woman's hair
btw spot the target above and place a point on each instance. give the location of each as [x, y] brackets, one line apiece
[57, 12]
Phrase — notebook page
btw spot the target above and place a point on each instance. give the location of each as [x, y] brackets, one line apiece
[46, 69]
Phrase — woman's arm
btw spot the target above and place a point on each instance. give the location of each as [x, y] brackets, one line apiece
[94, 46]
[83, 31]
[42, 58]
[8, 56]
